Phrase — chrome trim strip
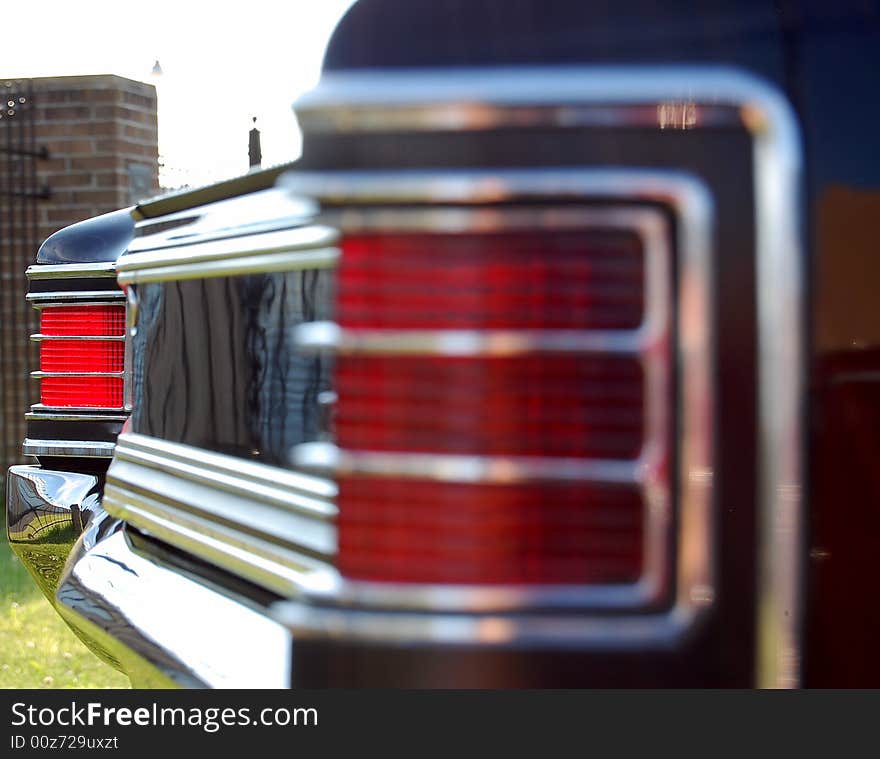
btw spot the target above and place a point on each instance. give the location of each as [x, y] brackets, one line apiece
[281, 569]
[611, 632]
[132, 314]
[79, 298]
[71, 271]
[269, 525]
[296, 491]
[482, 99]
[485, 98]
[201, 518]
[326, 457]
[41, 375]
[329, 589]
[76, 448]
[38, 338]
[782, 338]
[328, 336]
[483, 187]
[98, 416]
[197, 249]
[280, 250]
[255, 212]
[324, 258]
[373, 117]
[39, 408]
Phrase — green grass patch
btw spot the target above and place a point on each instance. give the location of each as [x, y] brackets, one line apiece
[37, 650]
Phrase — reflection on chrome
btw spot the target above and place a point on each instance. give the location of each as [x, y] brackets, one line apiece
[46, 512]
[677, 115]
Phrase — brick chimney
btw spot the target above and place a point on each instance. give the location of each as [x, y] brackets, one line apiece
[102, 139]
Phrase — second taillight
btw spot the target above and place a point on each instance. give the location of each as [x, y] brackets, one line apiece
[83, 365]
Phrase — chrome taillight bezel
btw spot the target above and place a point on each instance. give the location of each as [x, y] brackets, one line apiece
[663, 209]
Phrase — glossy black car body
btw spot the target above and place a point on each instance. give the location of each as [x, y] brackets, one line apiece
[781, 141]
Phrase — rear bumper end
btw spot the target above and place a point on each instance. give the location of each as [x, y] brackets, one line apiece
[167, 628]
[151, 619]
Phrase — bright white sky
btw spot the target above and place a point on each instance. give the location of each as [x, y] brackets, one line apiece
[223, 63]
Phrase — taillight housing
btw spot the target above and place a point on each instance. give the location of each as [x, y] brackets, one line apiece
[523, 405]
[82, 352]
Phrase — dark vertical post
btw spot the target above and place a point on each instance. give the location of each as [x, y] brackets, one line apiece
[255, 152]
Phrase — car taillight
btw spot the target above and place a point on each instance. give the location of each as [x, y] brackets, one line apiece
[493, 405]
[83, 365]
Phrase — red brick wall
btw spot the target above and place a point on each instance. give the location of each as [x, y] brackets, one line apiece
[102, 139]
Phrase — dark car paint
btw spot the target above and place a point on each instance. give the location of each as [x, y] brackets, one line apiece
[101, 238]
[214, 365]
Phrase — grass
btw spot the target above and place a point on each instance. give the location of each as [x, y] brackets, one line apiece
[37, 650]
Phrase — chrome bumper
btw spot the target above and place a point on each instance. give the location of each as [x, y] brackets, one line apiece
[153, 621]
[167, 629]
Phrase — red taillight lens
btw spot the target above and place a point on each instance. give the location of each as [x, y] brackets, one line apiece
[81, 356]
[83, 320]
[63, 360]
[548, 533]
[504, 280]
[537, 405]
[102, 392]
